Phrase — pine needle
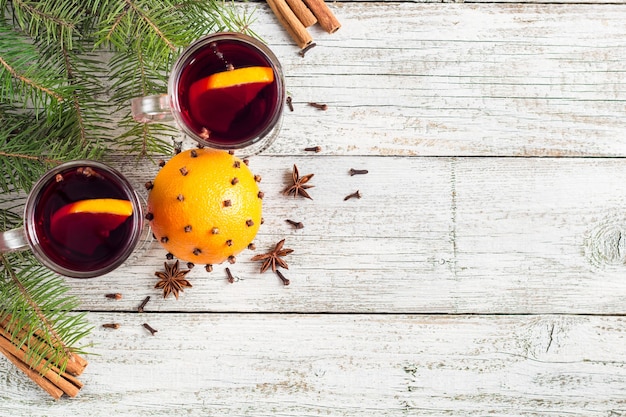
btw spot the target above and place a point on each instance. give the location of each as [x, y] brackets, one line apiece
[67, 66]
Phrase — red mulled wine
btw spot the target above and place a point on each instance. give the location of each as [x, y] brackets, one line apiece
[235, 116]
[85, 219]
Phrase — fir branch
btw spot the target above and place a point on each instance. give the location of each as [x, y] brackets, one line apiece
[152, 23]
[20, 76]
[52, 20]
[90, 110]
[145, 139]
[37, 300]
[36, 309]
[32, 146]
[15, 74]
[54, 107]
[146, 36]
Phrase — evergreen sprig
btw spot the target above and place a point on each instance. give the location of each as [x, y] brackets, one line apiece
[145, 37]
[36, 299]
[68, 68]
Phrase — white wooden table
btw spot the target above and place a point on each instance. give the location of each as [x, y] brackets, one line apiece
[482, 272]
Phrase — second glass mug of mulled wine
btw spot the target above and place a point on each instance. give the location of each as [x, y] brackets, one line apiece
[226, 91]
[82, 219]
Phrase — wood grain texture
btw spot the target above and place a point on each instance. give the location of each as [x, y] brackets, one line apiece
[458, 79]
[481, 273]
[429, 235]
[344, 365]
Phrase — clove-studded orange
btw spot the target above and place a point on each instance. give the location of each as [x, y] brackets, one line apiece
[205, 206]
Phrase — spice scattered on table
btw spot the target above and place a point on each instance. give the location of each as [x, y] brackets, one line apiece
[282, 278]
[274, 257]
[229, 275]
[114, 296]
[296, 15]
[143, 304]
[306, 49]
[356, 194]
[111, 325]
[319, 106]
[172, 280]
[358, 171]
[297, 225]
[150, 329]
[299, 185]
[315, 149]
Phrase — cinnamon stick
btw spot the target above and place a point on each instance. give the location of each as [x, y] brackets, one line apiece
[75, 364]
[66, 383]
[290, 22]
[325, 16]
[54, 391]
[48, 377]
[305, 16]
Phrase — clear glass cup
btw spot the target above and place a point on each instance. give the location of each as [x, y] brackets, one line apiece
[245, 116]
[73, 241]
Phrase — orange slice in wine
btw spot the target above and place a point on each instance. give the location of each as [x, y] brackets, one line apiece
[84, 225]
[214, 101]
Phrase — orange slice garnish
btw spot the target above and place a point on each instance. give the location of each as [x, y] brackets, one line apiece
[84, 225]
[214, 101]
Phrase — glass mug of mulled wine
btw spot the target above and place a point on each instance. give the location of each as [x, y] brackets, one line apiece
[225, 91]
[82, 219]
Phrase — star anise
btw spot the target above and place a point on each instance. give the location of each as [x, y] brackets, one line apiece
[273, 258]
[172, 280]
[299, 184]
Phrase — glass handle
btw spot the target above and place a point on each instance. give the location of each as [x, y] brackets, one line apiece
[151, 108]
[13, 240]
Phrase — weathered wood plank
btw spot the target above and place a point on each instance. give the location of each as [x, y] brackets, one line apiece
[458, 79]
[429, 235]
[343, 365]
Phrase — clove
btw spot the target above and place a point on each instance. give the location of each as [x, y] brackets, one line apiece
[306, 49]
[319, 106]
[297, 225]
[111, 325]
[114, 296]
[282, 278]
[315, 149]
[290, 103]
[150, 329]
[230, 276]
[355, 194]
[143, 304]
[358, 171]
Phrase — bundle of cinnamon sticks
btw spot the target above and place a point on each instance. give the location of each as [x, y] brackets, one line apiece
[50, 378]
[297, 15]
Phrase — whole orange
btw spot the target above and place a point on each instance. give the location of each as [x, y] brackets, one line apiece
[205, 206]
